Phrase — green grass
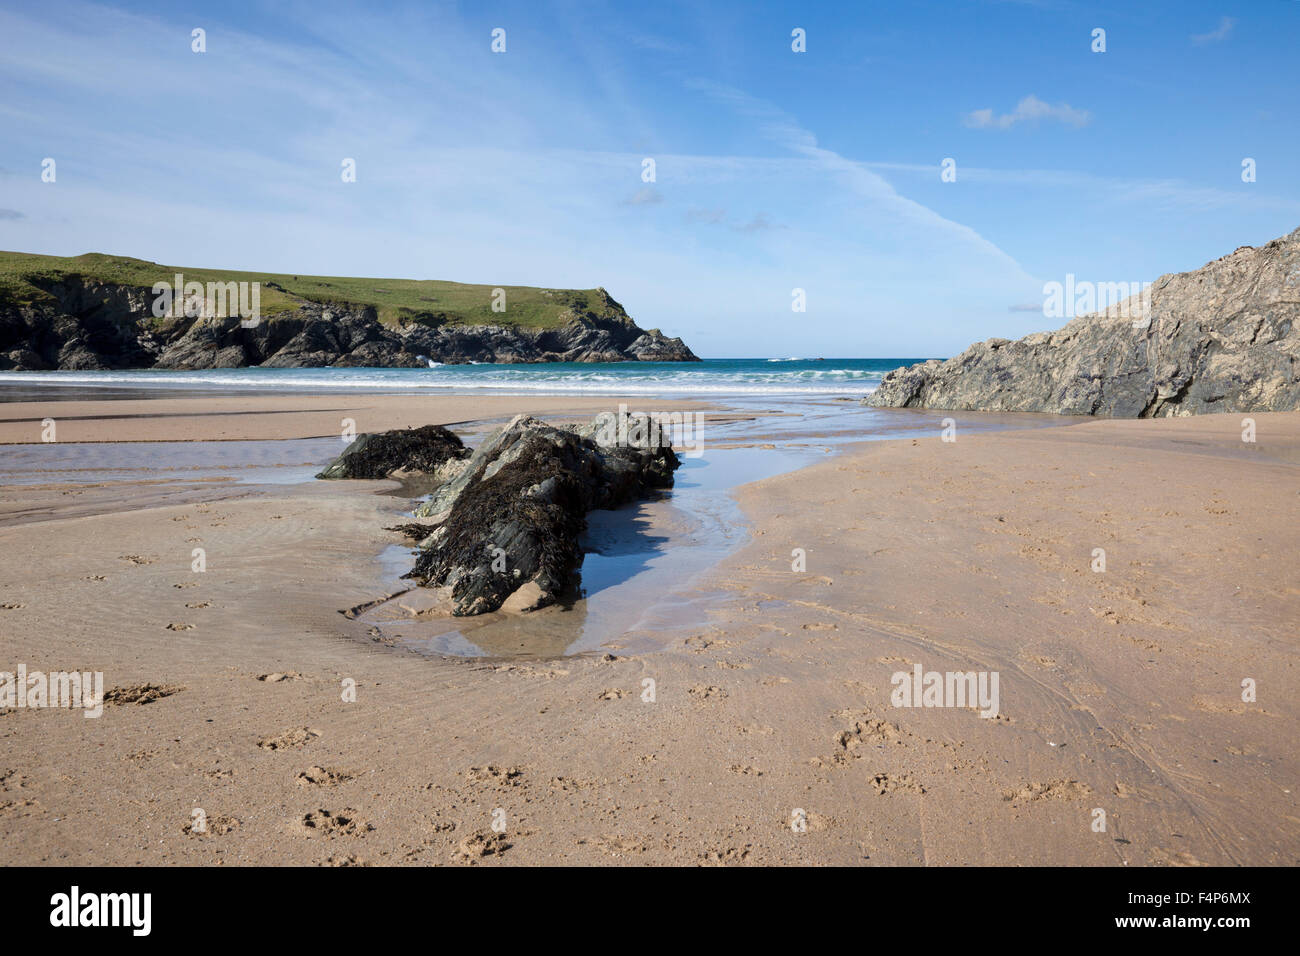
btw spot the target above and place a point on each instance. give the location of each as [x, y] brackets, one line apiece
[397, 301]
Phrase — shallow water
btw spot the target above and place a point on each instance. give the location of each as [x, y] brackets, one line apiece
[284, 462]
[640, 579]
[644, 563]
[637, 575]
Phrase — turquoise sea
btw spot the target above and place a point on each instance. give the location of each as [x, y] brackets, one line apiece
[711, 377]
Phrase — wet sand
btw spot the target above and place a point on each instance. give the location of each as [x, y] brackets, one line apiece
[1120, 690]
[260, 415]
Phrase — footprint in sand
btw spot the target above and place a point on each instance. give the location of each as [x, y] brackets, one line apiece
[702, 692]
[277, 678]
[499, 776]
[180, 626]
[11, 780]
[20, 808]
[12, 606]
[344, 823]
[140, 693]
[479, 845]
[212, 826]
[867, 731]
[298, 737]
[887, 784]
[324, 777]
[731, 854]
[700, 643]
[138, 558]
[1052, 790]
[612, 693]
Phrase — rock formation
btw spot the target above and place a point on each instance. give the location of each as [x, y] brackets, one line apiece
[411, 451]
[82, 322]
[1225, 338]
[510, 522]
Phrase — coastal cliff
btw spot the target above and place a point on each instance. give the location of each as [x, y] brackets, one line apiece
[98, 312]
[1224, 338]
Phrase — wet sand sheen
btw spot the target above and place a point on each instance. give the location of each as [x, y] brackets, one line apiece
[1119, 691]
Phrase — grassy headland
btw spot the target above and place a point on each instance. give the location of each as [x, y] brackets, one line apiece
[25, 277]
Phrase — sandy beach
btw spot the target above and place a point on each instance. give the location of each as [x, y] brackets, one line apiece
[769, 738]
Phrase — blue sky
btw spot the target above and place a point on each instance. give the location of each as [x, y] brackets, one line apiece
[775, 170]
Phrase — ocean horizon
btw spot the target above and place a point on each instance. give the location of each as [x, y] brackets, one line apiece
[712, 377]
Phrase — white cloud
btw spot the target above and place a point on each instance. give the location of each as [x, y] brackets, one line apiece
[915, 223]
[1219, 33]
[1030, 109]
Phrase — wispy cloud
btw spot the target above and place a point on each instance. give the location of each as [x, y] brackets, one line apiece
[645, 196]
[1164, 194]
[759, 223]
[1219, 33]
[541, 182]
[1029, 110]
[920, 222]
[709, 217]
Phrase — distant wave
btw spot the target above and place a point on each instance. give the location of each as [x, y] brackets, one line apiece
[711, 377]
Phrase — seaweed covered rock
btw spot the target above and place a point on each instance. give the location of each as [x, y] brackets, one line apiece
[406, 451]
[511, 521]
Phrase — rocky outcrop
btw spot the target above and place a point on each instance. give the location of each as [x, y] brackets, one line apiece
[1225, 338]
[428, 450]
[92, 324]
[510, 523]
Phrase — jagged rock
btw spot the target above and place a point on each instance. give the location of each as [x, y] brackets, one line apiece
[654, 346]
[409, 451]
[92, 324]
[1225, 338]
[515, 514]
[20, 359]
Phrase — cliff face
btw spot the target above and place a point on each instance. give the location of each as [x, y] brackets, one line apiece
[1225, 338]
[82, 322]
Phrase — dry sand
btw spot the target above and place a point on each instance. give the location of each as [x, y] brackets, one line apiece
[1119, 691]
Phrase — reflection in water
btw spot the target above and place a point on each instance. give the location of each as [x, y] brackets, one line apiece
[640, 578]
[637, 579]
